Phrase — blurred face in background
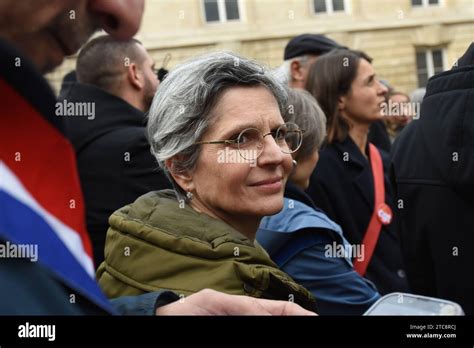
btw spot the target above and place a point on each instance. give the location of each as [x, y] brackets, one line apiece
[401, 115]
[48, 30]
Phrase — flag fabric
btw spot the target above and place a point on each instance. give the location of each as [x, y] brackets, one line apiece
[40, 196]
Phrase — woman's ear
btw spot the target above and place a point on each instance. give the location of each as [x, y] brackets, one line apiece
[183, 178]
[341, 103]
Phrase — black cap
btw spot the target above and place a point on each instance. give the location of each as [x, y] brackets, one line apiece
[309, 44]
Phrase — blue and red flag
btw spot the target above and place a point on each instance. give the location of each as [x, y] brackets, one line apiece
[40, 196]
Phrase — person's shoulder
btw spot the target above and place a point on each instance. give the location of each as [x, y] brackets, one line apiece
[330, 164]
[296, 216]
[333, 153]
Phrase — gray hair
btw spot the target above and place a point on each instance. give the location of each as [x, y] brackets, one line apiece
[181, 110]
[283, 72]
[304, 110]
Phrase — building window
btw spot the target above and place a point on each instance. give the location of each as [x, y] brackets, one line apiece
[221, 10]
[424, 3]
[329, 6]
[429, 63]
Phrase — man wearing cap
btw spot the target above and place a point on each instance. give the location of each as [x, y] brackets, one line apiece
[300, 53]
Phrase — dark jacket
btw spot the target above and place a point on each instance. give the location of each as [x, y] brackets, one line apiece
[378, 135]
[43, 287]
[342, 186]
[434, 168]
[113, 155]
[305, 243]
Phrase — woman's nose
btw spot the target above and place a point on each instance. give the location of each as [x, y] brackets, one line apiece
[382, 88]
[271, 153]
[119, 18]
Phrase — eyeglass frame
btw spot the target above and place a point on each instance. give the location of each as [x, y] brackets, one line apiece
[234, 141]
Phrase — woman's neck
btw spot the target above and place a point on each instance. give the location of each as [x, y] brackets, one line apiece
[359, 134]
[247, 226]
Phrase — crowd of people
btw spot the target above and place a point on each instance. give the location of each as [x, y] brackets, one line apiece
[315, 187]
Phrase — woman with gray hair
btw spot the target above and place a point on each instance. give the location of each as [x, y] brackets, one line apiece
[215, 128]
[301, 239]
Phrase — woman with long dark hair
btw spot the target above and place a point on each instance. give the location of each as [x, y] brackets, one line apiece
[350, 183]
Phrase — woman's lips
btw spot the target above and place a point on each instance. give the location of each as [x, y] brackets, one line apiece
[269, 186]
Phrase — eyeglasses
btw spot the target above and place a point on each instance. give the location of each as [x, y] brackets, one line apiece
[250, 141]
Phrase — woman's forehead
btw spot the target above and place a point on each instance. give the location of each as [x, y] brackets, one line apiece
[246, 107]
[365, 69]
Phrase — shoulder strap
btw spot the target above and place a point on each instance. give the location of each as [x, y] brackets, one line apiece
[382, 214]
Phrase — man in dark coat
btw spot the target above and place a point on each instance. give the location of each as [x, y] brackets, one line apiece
[433, 163]
[113, 155]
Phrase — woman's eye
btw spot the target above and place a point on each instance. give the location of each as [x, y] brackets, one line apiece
[243, 139]
[281, 135]
[235, 138]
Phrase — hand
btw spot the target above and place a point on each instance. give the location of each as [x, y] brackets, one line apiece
[211, 302]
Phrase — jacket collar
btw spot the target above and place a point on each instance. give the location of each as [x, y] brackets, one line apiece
[355, 157]
[292, 191]
[161, 212]
[360, 168]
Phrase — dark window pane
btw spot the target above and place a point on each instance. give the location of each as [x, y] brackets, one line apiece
[438, 59]
[338, 5]
[420, 60]
[433, 2]
[212, 12]
[422, 79]
[319, 6]
[421, 69]
[416, 2]
[232, 9]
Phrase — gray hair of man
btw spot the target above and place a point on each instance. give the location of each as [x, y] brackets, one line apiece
[304, 110]
[181, 111]
[283, 72]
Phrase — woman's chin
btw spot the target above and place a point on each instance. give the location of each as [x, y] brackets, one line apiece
[270, 207]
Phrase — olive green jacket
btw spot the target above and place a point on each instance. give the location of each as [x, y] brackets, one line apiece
[154, 243]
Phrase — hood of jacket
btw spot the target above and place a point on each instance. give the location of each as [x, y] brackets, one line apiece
[441, 142]
[157, 243]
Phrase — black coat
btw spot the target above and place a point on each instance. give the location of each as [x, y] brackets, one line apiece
[342, 186]
[433, 162]
[378, 136]
[113, 155]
